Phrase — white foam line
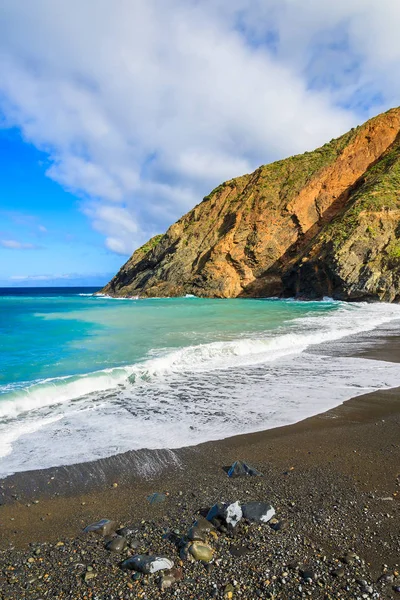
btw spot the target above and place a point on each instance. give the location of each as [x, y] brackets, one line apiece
[9, 435]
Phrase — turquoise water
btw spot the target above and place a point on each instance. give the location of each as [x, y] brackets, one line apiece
[83, 377]
[47, 336]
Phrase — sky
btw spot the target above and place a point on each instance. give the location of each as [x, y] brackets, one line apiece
[118, 117]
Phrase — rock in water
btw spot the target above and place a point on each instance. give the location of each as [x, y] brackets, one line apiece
[259, 512]
[117, 544]
[225, 514]
[147, 564]
[242, 469]
[103, 527]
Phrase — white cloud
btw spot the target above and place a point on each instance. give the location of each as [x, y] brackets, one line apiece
[144, 109]
[117, 224]
[15, 245]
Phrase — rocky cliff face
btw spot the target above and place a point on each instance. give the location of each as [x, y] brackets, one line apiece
[322, 223]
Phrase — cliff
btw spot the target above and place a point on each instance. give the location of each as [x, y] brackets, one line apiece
[325, 222]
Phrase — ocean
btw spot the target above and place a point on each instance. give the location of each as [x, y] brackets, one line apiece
[84, 377]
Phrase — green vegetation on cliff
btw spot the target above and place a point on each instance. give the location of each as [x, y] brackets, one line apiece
[377, 191]
[152, 243]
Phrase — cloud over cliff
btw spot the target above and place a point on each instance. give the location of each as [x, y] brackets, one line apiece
[144, 106]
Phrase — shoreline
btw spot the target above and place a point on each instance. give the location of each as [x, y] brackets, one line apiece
[334, 477]
[147, 464]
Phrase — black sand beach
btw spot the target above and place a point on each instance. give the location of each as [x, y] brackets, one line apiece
[333, 479]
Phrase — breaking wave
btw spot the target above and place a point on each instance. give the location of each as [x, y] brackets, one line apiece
[294, 338]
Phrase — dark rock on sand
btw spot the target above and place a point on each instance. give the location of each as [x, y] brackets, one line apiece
[350, 558]
[308, 575]
[203, 524]
[117, 544]
[147, 564]
[196, 533]
[103, 527]
[258, 512]
[242, 469]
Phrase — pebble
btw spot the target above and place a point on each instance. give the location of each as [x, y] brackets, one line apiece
[117, 544]
[386, 578]
[239, 550]
[201, 551]
[103, 527]
[147, 564]
[308, 575]
[203, 525]
[279, 525]
[350, 558]
[170, 577]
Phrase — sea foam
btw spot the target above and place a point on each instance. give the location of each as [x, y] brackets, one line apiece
[193, 394]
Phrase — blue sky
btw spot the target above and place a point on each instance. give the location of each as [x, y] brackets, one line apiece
[44, 236]
[125, 124]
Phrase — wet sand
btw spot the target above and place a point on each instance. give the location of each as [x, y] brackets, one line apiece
[334, 478]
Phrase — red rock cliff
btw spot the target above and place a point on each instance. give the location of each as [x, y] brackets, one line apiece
[322, 223]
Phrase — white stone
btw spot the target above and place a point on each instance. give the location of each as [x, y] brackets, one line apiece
[233, 514]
